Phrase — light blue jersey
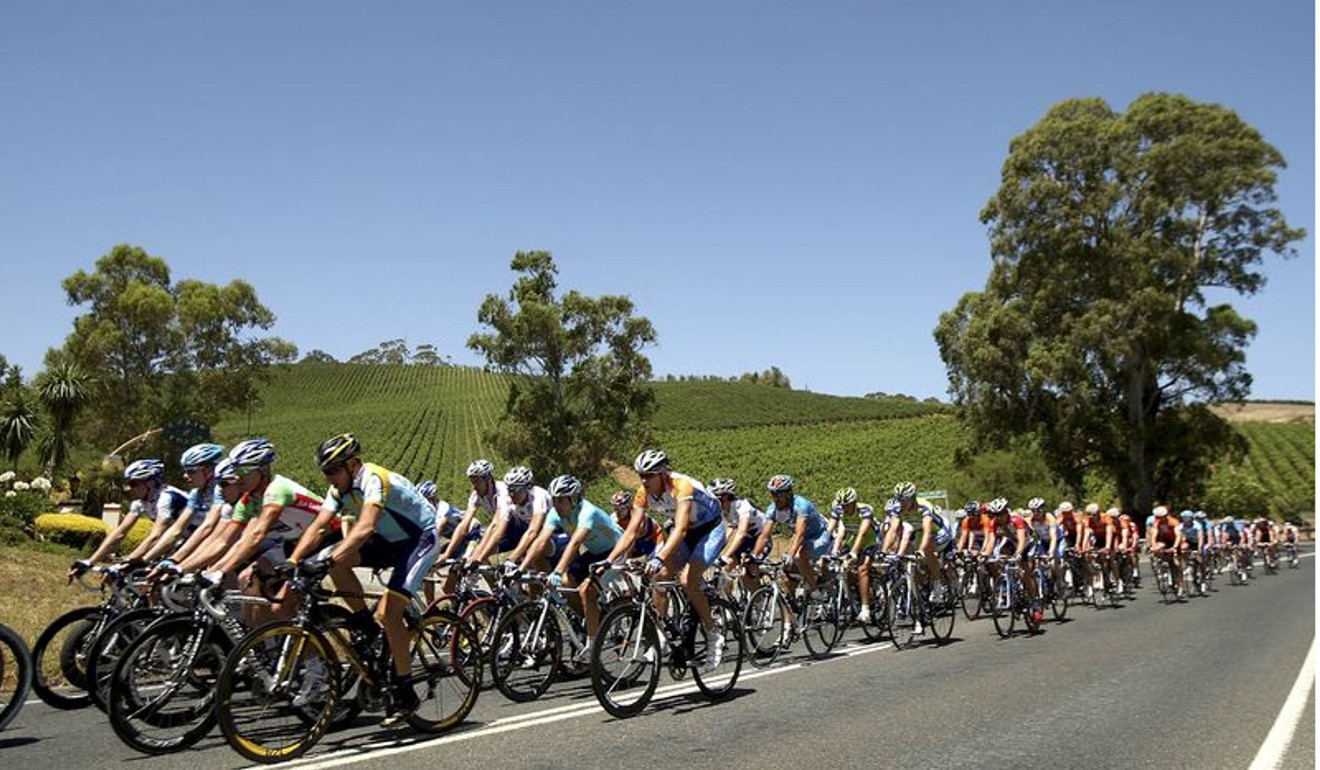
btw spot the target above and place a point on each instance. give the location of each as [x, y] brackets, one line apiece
[604, 532]
[405, 513]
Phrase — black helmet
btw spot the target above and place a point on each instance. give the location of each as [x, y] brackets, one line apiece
[337, 450]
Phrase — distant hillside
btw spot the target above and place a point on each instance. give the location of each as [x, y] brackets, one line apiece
[427, 422]
[1267, 411]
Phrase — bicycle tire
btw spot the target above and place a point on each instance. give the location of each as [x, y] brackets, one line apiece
[719, 683]
[943, 615]
[447, 696]
[1058, 600]
[15, 656]
[626, 661]
[1002, 608]
[898, 614]
[69, 690]
[874, 630]
[970, 593]
[107, 648]
[528, 641]
[820, 623]
[309, 667]
[164, 648]
[763, 624]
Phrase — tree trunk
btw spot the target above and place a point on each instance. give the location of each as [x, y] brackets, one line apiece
[1135, 486]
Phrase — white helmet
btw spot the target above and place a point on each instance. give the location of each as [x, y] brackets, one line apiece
[1092, 509]
[480, 468]
[1035, 503]
[998, 505]
[845, 496]
[518, 477]
[252, 453]
[225, 470]
[651, 461]
[905, 490]
[723, 486]
[1065, 507]
[781, 482]
[144, 470]
[1158, 511]
[565, 486]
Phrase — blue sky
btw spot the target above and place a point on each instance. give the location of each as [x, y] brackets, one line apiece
[774, 183]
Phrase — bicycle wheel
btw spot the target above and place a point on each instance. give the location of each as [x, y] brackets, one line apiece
[625, 661]
[446, 684]
[1002, 608]
[874, 629]
[162, 692]
[15, 674]
[820, 623]
[764, 625]
[482, 616]
[1058, 599]
[943, 613]
[970, 593]
[528, 647]
[718, 682]
[899, 614]
[276, 676]
[107, 648]
[59, 658]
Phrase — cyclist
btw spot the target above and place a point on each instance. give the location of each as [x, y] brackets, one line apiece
[744, 522]
[694, 540]
[1264, 537]
[811, 534]
[390, 526]
[202, 509]
[651, 535]
[936, 537]
[844, 507]
[1003, 527]
[447, 521]
[1043, 531]
[1098, 536]
[1164, 537]
[971, 532]
[151, 497]
[1231, 539]
[891, 530]
[484, 500]
[1289, 535]
[1193, 542]
[590, 536]
[271, 514]
[1129, 544]
[519, 516]
[217, 528]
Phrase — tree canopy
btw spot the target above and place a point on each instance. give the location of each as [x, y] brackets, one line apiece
[579, 394]
[1096, 333]
[160, 350]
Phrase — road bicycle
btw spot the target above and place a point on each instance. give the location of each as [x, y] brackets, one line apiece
[914, 606]
[281, 687]
[1012, 602]
[15, 674]
[639, 637]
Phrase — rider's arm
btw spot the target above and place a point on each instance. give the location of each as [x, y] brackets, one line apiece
[739, 534]
[199, 535]
[158, 528]
[460, 533]
[533, 531]
[629, 536]
[311, 537]
[1021, 543]
[799, 536]
[863, 530]
[215, 547]
[113, 539]
[254, 533]
[538, 546]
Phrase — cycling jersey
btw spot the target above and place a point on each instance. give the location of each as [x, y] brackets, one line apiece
[1232, 533]
[536, 501]
[1189, 533]
[404, 515]
[863, 511]
[488, 504]
[740, 509]
[1264, 533]
[604, 532]
[1003, 530]
[889, 522]
[1290, 534]
[1166, 529]
[199, 503]
[976, 526]
[648, 536]
[1040, 528]
[801, 508]
[299, 507]
[1100, 524]
[448, 518]
[165, 503]
[677, 488]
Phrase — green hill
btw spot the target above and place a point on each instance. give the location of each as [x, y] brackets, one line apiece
[427, 422]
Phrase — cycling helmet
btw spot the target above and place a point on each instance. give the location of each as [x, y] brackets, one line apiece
[144, 470]
[337, 450]
[780, 483]
[621, 498]
[1200, 514]
[518, 478]
[1228, 519]
[651, 461]
[1114, 512]
[225, 470]
[427, 489]
[845, 496]
[723, 486]
[201, 454]
[972, 507]
[1065, 507]
[565, 486]
[1159, 511]
[905, 490]
[999, 505]
[893, 506]
[1035, 503]
[252, 453]
[480, 468]
[1187, 515]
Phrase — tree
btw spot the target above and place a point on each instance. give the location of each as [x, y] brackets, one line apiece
[165, 351]
[388, 352]
[18, 425]
[319, 356]
[426, 354]
[64, 390]
[579, 392]
[1095, 333]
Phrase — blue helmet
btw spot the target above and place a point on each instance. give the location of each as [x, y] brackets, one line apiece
[225, 470]
[201, 454]
[780, 483]
[252, 453]
[144, 470]
[427, 489]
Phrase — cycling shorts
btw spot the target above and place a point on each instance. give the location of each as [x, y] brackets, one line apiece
[514, 529]
[407, 560]
[702, 544]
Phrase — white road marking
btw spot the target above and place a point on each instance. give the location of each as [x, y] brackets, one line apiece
[1276, 743]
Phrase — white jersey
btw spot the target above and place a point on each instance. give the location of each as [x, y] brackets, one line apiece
[489, 504]
[537, 501]
[741, 509]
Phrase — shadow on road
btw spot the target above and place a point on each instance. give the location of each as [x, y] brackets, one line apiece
[28, 740]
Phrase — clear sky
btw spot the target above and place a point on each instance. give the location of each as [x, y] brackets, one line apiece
[773, 183]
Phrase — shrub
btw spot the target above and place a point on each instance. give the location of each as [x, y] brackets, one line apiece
[84, 532]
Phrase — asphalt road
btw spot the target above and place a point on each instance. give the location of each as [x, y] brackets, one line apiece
[1196, 685]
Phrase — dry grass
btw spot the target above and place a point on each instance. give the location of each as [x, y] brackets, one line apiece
[1266, 411]
[33, 590]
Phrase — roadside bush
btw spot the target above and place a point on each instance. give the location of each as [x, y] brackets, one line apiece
[71, 529]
